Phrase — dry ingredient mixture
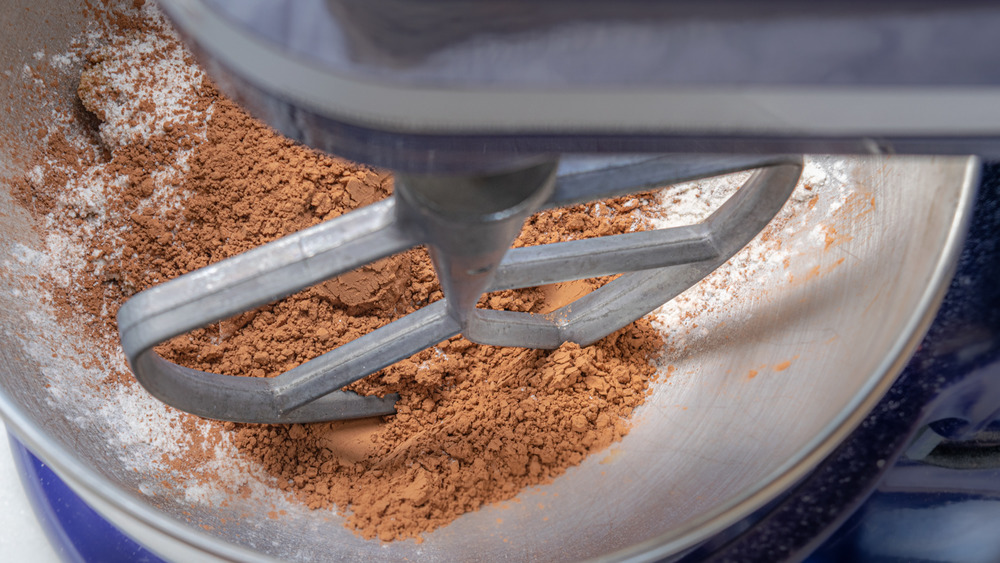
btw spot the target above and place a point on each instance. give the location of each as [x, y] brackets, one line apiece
[158, 174]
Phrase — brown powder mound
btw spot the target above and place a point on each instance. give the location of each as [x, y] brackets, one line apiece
[482, 424]
[475, 424]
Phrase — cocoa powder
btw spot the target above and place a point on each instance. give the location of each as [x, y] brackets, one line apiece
[204, 181]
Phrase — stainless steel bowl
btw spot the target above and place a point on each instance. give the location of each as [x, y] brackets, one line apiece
[710, 446]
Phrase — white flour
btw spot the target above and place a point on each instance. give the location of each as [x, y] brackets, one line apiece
[823, 178]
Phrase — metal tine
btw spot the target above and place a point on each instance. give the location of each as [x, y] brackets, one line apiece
[243, 282]
[363, 356]
[245, 399]
[733, 226]
[580, 259]
[585, 178]
[295, 395]
[633, 295]
[260, 276]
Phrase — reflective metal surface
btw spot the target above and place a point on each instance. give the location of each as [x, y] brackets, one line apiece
[709, 447]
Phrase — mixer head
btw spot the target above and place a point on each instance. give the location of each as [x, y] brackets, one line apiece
[434, 86]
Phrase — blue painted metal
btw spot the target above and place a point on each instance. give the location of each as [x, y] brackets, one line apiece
[76, 531]
[943, 503]
[952, 386]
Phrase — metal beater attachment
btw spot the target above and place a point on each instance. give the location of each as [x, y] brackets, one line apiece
[468, 223]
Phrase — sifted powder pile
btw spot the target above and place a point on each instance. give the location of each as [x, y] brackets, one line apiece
[177, 177]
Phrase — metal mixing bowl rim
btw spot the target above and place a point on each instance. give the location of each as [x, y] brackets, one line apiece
[796, 468]
[87, 480]
[70, 469]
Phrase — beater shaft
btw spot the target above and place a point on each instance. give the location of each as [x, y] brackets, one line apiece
[468, 222]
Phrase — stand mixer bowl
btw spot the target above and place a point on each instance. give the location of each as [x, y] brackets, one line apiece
[709, 447]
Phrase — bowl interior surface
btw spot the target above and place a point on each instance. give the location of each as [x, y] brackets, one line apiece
[756, 394]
